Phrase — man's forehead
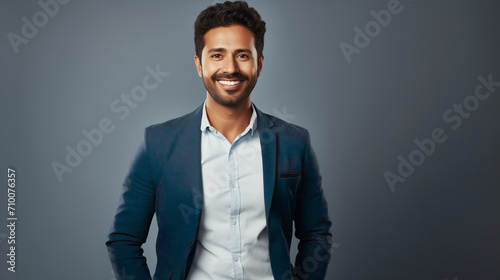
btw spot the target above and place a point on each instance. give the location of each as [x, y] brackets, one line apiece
[230, 37]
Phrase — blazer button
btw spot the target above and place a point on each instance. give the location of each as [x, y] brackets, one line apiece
[190, 245]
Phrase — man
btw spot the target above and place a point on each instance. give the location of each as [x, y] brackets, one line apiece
[226, 181]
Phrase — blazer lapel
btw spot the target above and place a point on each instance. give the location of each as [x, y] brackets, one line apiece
[190, 159]
[268, 148]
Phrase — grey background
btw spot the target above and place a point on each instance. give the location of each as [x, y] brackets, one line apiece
[441, 223]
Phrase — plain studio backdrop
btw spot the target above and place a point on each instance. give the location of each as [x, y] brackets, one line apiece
[401, 99]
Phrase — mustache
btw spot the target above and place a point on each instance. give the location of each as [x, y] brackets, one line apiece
[229, 76]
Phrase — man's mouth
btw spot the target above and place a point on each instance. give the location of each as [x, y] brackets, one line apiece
[229, 82]
[230, 85]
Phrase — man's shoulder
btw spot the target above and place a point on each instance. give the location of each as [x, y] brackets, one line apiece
[284, 127]
[186, 121]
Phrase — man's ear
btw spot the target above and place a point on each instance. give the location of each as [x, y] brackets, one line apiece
[261, 60]
[197, 61]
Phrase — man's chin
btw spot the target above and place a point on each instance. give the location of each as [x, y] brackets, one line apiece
[230, 99]
[229, 102]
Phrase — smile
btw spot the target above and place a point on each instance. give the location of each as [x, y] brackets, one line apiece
[229, 83]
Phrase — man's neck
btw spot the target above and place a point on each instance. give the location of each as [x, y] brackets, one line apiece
[230, 121]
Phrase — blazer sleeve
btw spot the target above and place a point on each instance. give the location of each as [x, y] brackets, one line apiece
[132, 219]
[312, 223]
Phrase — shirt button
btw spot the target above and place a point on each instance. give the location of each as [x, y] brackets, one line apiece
[233, 185]
[234, 222]
[236, 259]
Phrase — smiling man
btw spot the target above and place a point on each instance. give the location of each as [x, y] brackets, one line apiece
[229, 64]
[227, 182]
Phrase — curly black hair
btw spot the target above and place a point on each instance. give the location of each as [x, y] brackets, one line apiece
[225, 14]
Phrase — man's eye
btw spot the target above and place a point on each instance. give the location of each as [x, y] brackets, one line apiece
[243, 56]
[216, 55]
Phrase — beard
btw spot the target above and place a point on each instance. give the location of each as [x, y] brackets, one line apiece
[229, 98]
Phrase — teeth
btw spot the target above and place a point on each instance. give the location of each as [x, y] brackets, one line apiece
[229, 83]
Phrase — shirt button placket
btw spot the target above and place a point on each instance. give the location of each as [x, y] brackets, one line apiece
[235, 212]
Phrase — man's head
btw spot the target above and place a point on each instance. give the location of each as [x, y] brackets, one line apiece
[225, 14]
[229, 38]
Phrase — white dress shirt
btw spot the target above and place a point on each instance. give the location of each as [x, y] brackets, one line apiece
[233, 240]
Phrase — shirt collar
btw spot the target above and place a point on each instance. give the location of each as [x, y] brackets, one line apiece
[205, 123]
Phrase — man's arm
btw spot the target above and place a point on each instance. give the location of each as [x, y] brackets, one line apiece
[312, 224]
[132, 220]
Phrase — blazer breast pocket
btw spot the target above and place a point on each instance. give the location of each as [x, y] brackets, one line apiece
[286, 190]
[289, 174]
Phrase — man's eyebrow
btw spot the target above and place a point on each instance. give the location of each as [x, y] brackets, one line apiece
[244, 50]
[216, 50]
[224, 50]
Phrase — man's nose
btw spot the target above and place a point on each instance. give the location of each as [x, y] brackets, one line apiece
[230, 65]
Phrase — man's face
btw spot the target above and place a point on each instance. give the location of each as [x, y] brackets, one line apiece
[229, 65]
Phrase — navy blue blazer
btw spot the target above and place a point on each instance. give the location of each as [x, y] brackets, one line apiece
[165, 178]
